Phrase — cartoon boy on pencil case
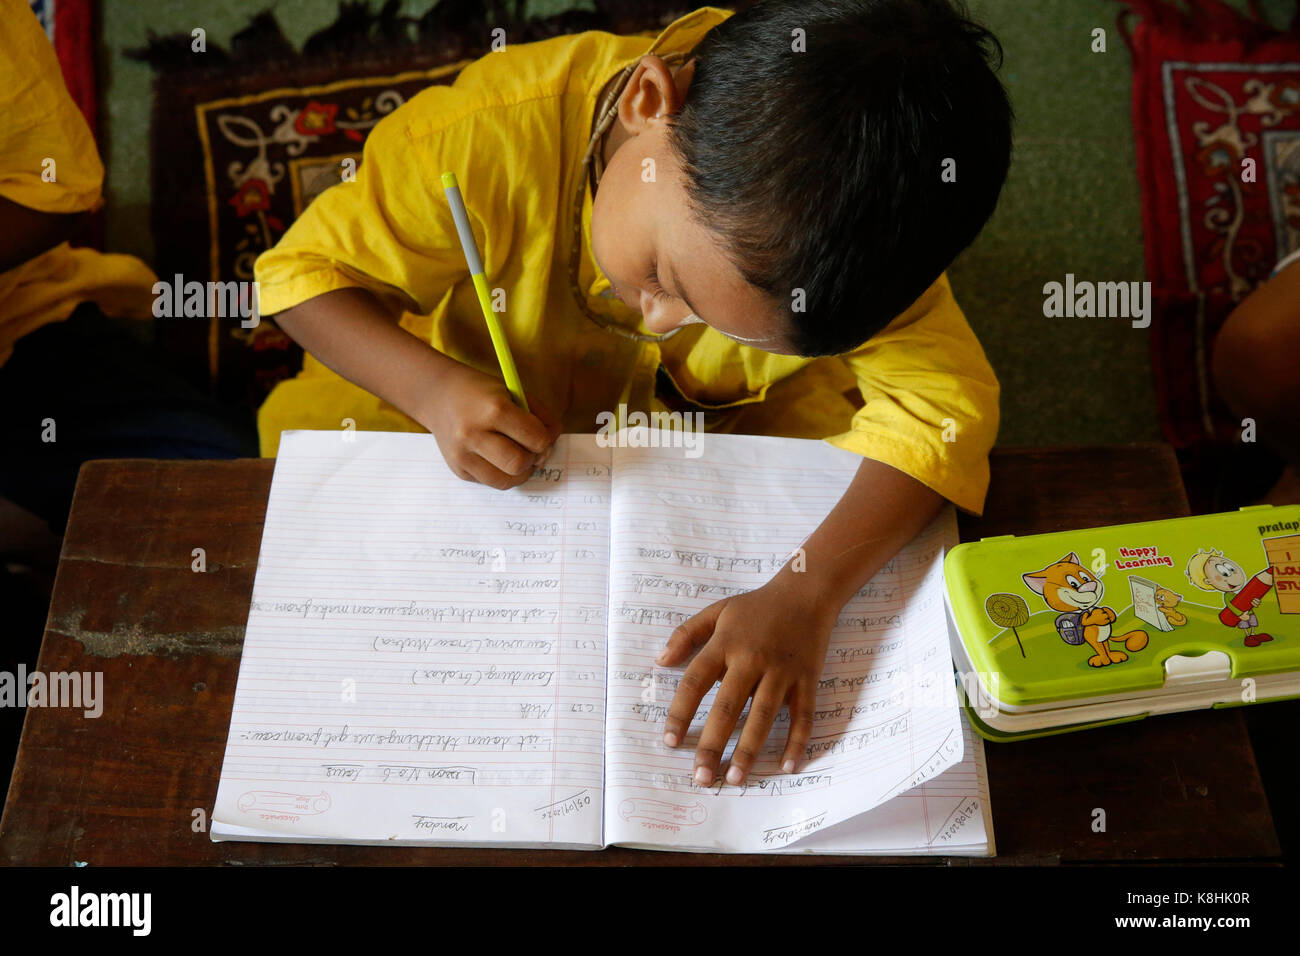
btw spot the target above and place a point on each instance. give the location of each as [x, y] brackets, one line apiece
[1209, 570]
[749, 216]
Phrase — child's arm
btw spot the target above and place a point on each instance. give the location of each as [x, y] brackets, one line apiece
[929, 418]
[482, 434]
[772, 641]
[1254, 368]
[384, 242]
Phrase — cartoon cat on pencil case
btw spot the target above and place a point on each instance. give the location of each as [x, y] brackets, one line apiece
[1070, 588]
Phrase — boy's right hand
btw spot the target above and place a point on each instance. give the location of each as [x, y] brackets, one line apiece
[482, 434]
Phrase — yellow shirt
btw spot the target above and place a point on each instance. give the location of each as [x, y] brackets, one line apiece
[514, 127]
[48, 162]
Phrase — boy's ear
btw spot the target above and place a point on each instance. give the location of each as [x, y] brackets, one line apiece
[683, 77]
[652, 92]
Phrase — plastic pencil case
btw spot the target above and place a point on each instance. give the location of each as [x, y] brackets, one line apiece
[1076, 629]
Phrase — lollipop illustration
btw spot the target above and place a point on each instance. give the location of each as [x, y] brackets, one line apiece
[1008, 610]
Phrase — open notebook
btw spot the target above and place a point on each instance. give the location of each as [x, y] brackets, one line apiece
[429, 661]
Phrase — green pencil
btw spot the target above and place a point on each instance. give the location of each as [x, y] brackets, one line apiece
[476, 272]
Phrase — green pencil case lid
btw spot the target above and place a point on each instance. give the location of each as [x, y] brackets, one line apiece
[1119, 611]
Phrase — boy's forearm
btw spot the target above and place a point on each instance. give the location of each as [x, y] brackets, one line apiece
[881, 511]
[351, 332]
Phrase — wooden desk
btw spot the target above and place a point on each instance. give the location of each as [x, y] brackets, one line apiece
[121, 789]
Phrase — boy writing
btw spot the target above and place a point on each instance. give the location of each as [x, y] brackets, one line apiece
[749, 216]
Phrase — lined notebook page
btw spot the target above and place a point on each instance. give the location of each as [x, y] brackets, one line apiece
[946, 816]
[688, 532]
[425, 656]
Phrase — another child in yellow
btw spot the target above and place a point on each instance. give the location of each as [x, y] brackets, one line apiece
[773, 196]
[73, 386]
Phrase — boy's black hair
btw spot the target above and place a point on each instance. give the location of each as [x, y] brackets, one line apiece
[822, 169]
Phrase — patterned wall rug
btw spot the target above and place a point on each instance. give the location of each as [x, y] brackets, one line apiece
[1216, 117]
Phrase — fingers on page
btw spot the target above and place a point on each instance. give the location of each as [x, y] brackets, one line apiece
[802, 697]
[758, 726]
[695, 683]
[723, 716]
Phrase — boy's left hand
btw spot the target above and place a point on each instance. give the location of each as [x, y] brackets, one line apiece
[769, 643]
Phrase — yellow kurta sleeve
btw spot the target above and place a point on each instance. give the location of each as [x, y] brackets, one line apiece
[931, 399]
[49, 163]
[48, 159]
[389, 230]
